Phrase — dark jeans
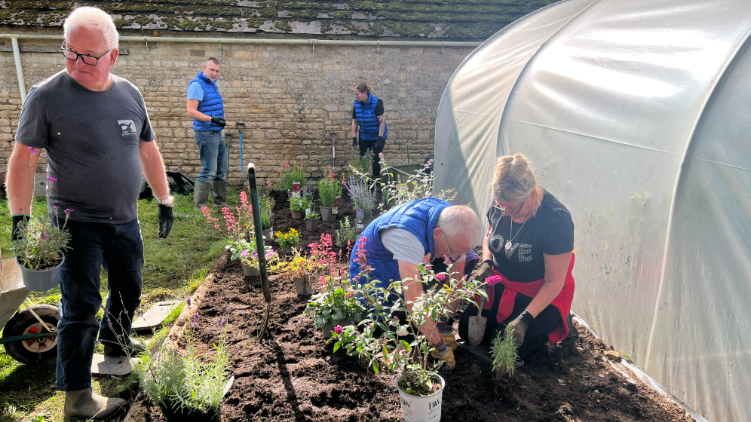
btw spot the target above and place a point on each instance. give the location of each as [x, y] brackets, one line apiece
[537, 333]
[364, 147]
[119, 248]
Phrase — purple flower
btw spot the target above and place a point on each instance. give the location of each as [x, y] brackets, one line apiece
[338, 329]
[441, 277]
[223, 322]
[229, 307]
[188, 302]
[33, 151]
[244, 254]
[44, 236]
[493, 280]
[55, 207]
[68, 211]
[52, 179]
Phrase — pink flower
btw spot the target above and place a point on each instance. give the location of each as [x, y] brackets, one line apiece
[244, 253]
[44, 236]
[52, 179]
[68, 211]
[380, 155]
[338, 329]
[430, 162]
[441, 277]
[493, 280]
[33, 151]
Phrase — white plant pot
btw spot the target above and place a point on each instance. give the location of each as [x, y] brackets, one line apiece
[421, 408]
[249, 271]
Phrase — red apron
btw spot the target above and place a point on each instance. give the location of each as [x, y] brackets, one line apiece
[506, 306]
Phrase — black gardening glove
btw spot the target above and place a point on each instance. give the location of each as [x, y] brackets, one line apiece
[380, 144]
[165, 221]
[520, 325]
[219, 121]
[17, 219]
[486, 270]
[354, 142]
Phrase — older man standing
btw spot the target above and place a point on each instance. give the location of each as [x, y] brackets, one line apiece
[206, 107]
[397, 242]
[99, 141]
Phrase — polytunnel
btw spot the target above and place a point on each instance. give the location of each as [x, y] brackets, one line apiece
[637, 116]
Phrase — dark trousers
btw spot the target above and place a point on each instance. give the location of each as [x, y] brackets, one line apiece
[119, 248]
[537, 333]
[371, 145]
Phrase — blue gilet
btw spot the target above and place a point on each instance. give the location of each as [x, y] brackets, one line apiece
[212, 104]
[419, 217]
[367, 119]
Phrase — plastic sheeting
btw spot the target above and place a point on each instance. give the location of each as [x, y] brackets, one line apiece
[636, 115]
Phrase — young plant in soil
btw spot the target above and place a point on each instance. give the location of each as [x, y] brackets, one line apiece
[287, 240]
[181, 380]
[328, 189]
[504, 353]
[400, 346]
[291, 173]
[335, 302]
[345, 235]
[300, 203]
[362, 196]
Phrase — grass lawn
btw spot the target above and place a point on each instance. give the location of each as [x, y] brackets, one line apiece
[173, 268]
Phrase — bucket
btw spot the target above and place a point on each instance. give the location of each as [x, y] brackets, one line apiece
[41, 280]
[421, 408]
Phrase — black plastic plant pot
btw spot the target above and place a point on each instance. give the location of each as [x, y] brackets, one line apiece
[190, 415]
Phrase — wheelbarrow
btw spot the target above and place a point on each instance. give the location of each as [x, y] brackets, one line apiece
[29, 335]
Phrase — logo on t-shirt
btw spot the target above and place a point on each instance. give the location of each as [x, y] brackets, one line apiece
[128, 127]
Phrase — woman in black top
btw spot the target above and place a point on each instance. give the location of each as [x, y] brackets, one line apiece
[529, 245]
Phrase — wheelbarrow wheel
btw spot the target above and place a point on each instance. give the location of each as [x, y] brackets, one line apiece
[33, 351]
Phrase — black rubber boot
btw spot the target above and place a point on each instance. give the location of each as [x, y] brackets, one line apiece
[573, 333]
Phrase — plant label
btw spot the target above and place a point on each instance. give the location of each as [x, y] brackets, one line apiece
[307, 212]
[335, 207]
[296, 188]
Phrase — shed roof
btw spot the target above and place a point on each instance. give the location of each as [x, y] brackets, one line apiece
[462, 19]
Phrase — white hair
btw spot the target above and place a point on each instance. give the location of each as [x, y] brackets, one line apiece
[93, 18]
[460, 222]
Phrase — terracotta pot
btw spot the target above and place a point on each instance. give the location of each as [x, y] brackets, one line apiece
[189, 415]
[249, 271]
[421, 408]
[296, 214]
[302, 286]
[41, 280]
[311, 225]
[327, 215]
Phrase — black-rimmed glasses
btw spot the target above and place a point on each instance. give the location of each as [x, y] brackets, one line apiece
[85, 58]
[506, 211]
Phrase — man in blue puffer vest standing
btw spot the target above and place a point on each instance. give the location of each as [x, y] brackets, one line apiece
[368, 115]
[397, 242]
[206, 108]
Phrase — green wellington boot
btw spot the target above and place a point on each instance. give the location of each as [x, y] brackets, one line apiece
[219, 188]
[201, 195]
[88, 405]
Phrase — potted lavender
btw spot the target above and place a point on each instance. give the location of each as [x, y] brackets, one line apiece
[39, 250]
[363, 198]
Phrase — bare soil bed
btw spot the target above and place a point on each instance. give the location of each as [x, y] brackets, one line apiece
[292, 375]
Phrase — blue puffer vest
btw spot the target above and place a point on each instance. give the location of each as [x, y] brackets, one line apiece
[212, 104]
[367, 119]
[419, 217]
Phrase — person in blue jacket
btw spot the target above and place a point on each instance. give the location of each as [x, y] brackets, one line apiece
[397, 242]
[368, 116]
[206, 108]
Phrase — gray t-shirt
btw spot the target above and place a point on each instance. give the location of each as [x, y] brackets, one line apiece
[92, 143]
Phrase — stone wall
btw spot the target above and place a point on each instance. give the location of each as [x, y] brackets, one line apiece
[289, 97]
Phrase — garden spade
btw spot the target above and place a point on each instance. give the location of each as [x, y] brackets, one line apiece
[476, 330]
[333, 136]
[259, 244]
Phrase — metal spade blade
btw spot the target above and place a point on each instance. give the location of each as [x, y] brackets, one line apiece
[476, 329]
